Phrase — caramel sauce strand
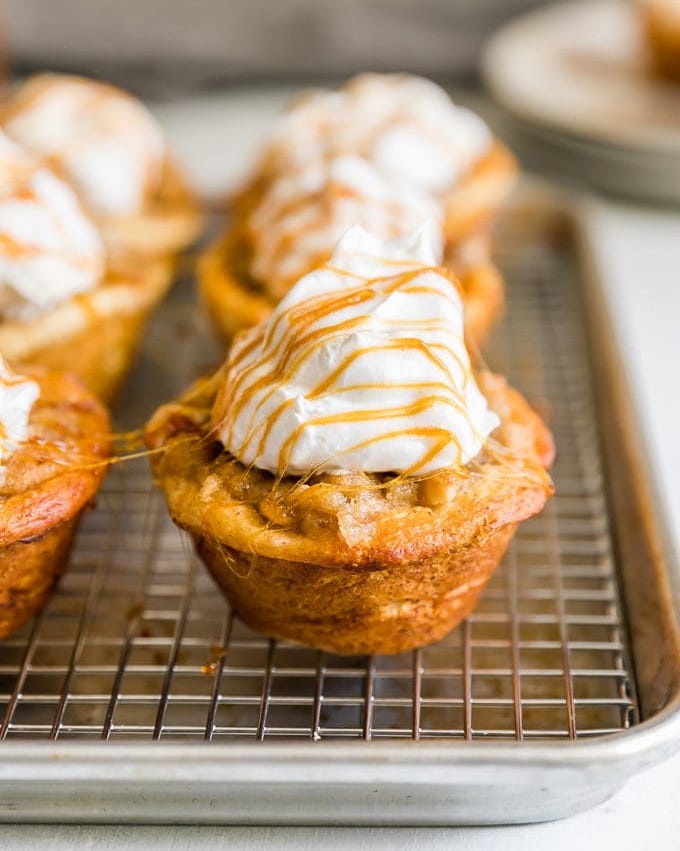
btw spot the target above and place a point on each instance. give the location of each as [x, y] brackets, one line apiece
[300, 331]
[299, 318]
[327, 384]
[369, 415]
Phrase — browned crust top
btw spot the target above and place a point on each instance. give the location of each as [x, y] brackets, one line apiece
[59, 469]
[360, 520]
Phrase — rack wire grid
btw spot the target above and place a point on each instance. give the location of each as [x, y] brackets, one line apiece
[138, 644]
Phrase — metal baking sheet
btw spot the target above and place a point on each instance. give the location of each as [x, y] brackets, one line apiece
[137, 696]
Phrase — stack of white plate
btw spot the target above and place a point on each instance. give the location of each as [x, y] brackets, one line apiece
[575, 78]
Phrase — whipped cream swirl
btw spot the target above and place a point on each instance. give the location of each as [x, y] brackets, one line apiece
[17, 397]
[49, 249]
[302, 216]
[100, 138]
[407, 126]
[362, 366]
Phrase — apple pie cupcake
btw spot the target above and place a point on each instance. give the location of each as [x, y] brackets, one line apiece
[412, 133]
[297, 222]
[110, 149]
[54, 450]
[63, 304]
[349, 480]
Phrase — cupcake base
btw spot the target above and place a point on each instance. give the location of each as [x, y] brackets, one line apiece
[100, 355]
[30, 572]
[231, 301]
[93, 336]
[388, 609]
[344, 562]
[48, 481]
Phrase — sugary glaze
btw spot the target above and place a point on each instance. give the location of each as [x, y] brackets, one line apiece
[362, 366]
[49, 250]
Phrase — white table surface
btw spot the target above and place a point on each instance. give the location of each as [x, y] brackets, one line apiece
[638, 251]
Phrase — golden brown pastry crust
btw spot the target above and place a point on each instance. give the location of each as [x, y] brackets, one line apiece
[356, 563]
[94, 335]
[30, 572]
[170, 221]
[234, 301]
[353, 611]
[481, 283]
[480, 194]
[49, 481]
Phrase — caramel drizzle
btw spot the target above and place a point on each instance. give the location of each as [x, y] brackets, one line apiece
[284, 354]
[400, 115]
[325, 121]
[276, 227]
[19, 178]
[93, 98]
[275, 224]
[299, 349]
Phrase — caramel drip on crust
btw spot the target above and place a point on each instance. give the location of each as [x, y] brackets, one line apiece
[283, 355]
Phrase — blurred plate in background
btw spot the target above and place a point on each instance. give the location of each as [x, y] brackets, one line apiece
[575, 78]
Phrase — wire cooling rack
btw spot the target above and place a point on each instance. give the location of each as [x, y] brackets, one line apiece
[138, 644]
